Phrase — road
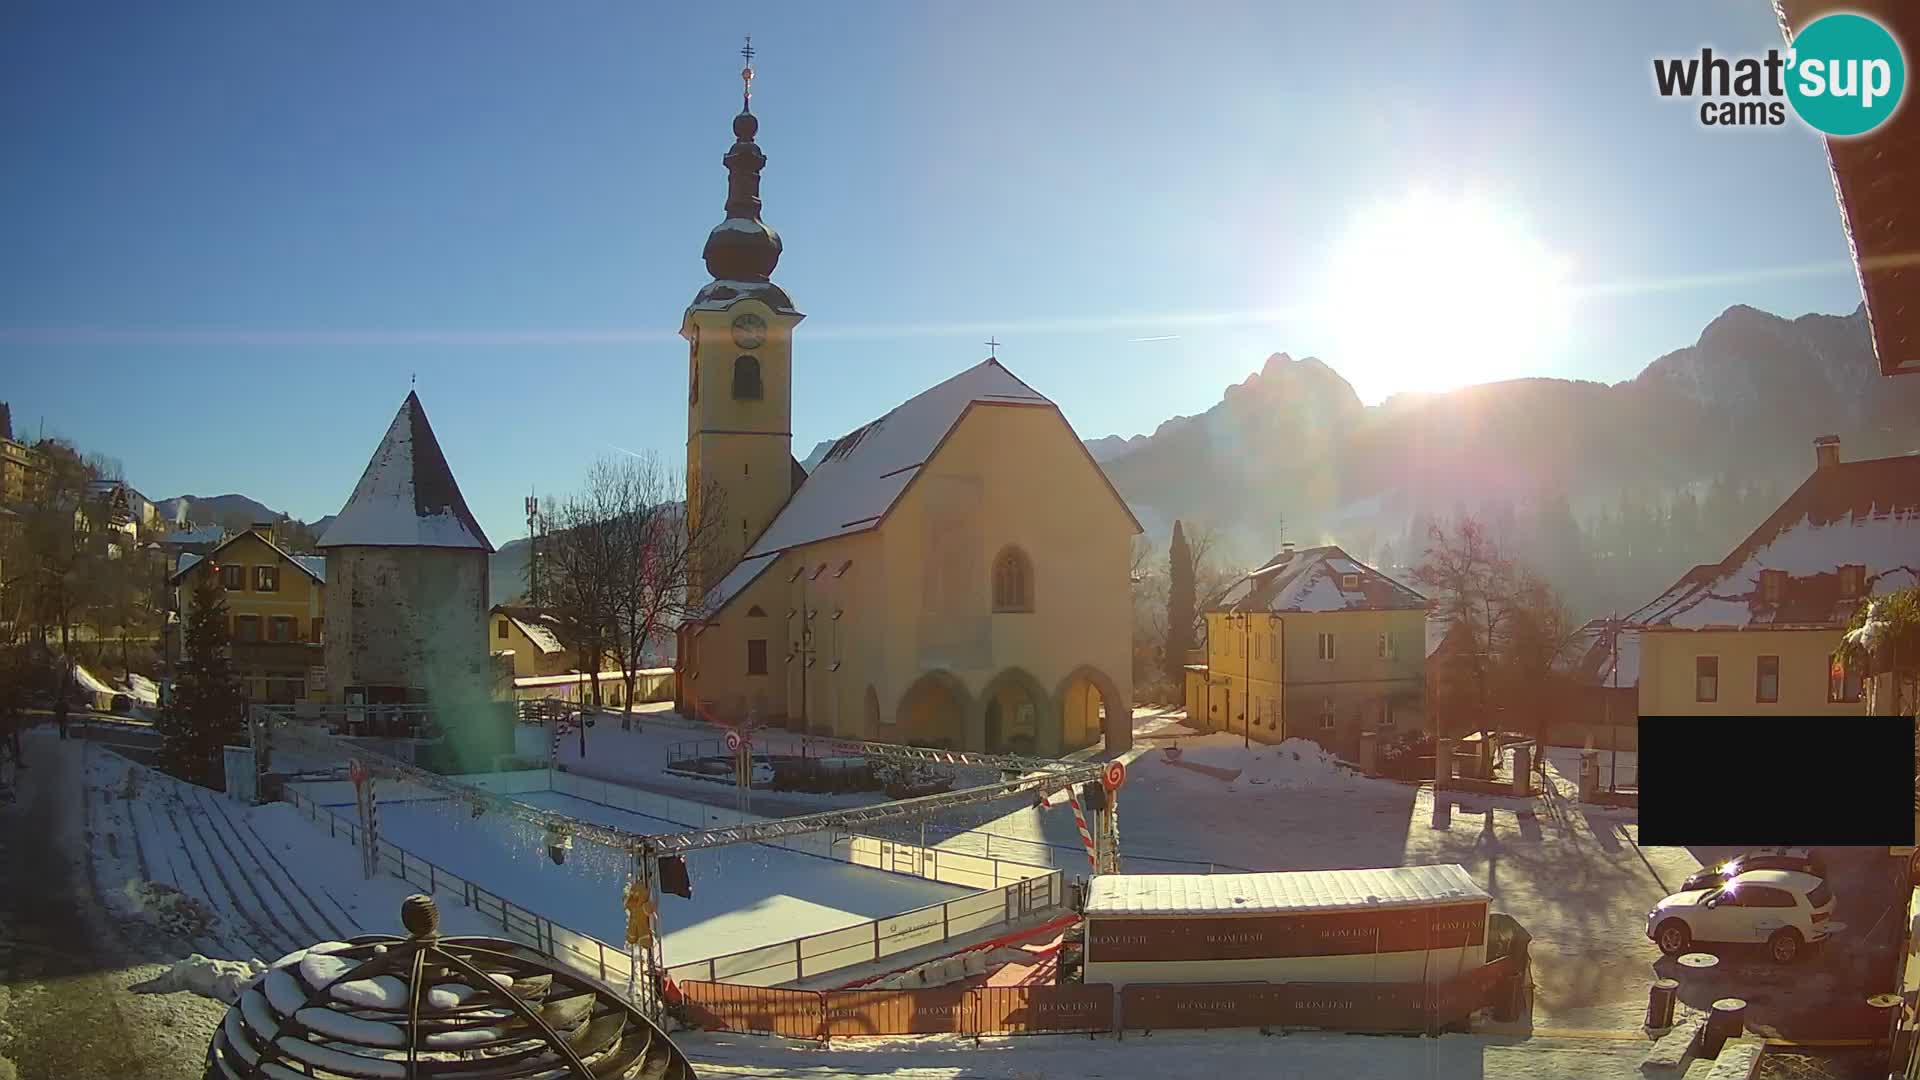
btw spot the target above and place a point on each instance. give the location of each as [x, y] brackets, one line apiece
[67, 1011]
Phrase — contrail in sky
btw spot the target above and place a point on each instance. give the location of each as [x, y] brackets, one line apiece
[1163, 337]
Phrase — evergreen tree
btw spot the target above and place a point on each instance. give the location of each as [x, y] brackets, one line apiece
[1180, 601]
[204, 709]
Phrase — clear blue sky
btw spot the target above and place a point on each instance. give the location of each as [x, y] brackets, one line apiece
[232, 230]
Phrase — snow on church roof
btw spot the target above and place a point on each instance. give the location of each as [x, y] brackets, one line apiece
[858, 481]
[407, 497]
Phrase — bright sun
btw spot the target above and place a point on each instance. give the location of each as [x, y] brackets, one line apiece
[1430, 293]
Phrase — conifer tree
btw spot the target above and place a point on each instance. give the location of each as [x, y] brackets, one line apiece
[1180, 601]
[204, 710]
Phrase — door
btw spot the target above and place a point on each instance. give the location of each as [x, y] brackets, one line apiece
[1769, 910]
[1721, 922]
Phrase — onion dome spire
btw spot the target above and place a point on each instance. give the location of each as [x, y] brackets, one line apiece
[743, 248]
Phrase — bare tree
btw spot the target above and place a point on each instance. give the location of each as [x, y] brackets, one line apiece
[580, 556]
[1470, 575]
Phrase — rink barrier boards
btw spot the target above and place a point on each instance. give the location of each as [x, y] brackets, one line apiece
[1019, 893]
[1075, 1007]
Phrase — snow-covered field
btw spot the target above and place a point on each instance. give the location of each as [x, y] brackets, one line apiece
[744, 896]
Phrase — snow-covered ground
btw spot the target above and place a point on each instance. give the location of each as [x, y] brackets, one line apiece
[232, 881]
[1573, 875]
[744, 896]
[1224, 1054]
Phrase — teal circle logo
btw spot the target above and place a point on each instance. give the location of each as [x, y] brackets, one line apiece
[1845, 74]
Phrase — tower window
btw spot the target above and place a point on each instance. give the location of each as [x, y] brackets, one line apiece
[693, 381]
[1012, 581]
[746, 378]
[757, 656]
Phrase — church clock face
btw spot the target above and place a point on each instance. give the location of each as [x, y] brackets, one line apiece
[749, 331]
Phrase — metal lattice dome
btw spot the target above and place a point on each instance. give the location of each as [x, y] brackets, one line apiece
[460, 1008]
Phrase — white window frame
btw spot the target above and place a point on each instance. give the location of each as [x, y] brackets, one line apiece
[1349, 582]
[1697, 677]
[1384, 648]
[1327, 714]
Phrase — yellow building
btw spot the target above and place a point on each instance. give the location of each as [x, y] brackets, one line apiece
[276, 613]
[954, 573]
[20, 468]
[1755, 632]
[1317, 645]
[536, 638]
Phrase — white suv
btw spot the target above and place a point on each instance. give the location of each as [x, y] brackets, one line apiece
[1783, 908]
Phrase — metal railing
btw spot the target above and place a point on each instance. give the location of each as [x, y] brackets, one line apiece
[1010, 892]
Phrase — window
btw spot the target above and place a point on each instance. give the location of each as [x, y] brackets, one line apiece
[319, 633]
[746, 378]
[757, 656]
[1273, 645]
[693, 380]
[499, 630]
[1819, 896]
[1012, 581]
[1706, 678]
[756, 612]
[1259, 711]
[1326, 647]
[267, 579]
[1852, 578]
[1766, 680]
[1772, 584]
[1386, 714]
[246, 628]
[1730, 898]
[1256, 648]
[280, 628]
[1326, 714]
[1349, 582]
[233, 578]
[1843, 683]
[1384, 649]
[1273, 713]
[1762, 896]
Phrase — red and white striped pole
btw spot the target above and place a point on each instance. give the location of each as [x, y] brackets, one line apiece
[1086, 835]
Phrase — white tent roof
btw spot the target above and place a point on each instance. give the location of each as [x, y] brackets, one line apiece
[1181, 895]
[407, 497]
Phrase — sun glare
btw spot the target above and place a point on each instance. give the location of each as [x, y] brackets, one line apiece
[1430, 293]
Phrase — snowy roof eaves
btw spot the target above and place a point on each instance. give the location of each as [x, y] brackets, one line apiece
[1307, 582]
[407, 497]
[744, 573]
[1864, 513]
[314, 566]
[867, 472]
[1165, 896]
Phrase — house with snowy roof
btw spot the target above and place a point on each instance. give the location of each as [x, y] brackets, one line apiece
[953, 573]
[1755, 632]
[276, 612]
[1314, 644]
[407, 594]
[541, 641]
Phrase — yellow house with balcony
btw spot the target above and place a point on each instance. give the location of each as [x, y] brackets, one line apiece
[1317, 645]
[276, 613]
[1755, 632]
[955, 573]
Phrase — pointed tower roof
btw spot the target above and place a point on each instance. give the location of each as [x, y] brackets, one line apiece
[742, 250]
[407, 497]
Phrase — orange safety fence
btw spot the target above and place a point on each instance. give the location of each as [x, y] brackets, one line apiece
[1016, 1010]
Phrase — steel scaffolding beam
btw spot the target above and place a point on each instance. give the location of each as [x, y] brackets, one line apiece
[275, 729]
[897, 752]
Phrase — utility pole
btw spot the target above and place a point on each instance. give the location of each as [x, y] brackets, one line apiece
[1613, 733]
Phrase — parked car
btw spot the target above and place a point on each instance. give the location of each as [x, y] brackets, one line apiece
[1798, 859]
[1785, 909]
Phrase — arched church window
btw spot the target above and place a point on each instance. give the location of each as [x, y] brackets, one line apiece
[746, 378]
[1012, 581]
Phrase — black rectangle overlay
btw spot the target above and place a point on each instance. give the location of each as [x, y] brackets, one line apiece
[1762, 780]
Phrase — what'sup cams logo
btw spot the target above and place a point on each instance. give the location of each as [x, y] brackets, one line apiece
[1843, 75]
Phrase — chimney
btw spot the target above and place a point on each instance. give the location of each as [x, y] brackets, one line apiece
[1826, 452]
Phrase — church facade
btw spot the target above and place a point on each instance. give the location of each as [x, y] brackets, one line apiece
[955, 573]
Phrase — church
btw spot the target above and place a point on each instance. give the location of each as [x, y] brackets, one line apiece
[955, 573]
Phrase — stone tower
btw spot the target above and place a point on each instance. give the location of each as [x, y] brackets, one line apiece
[407, 596]
[739, 331]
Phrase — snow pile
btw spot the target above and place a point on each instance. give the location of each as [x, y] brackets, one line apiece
[1295, 763]
[222, 980]
[175, 912]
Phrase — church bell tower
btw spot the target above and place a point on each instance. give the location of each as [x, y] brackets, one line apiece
[739, 331]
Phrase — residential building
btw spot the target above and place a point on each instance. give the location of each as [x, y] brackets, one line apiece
[276, 614]
[20, 464]
[1595, 697]
[1318, 645]
[542, 643]
[191, 541]
[1755, 632]
[954, 573]
[407, 614]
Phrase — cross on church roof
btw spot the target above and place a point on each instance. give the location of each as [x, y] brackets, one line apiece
[746, 74]
[993, 349]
